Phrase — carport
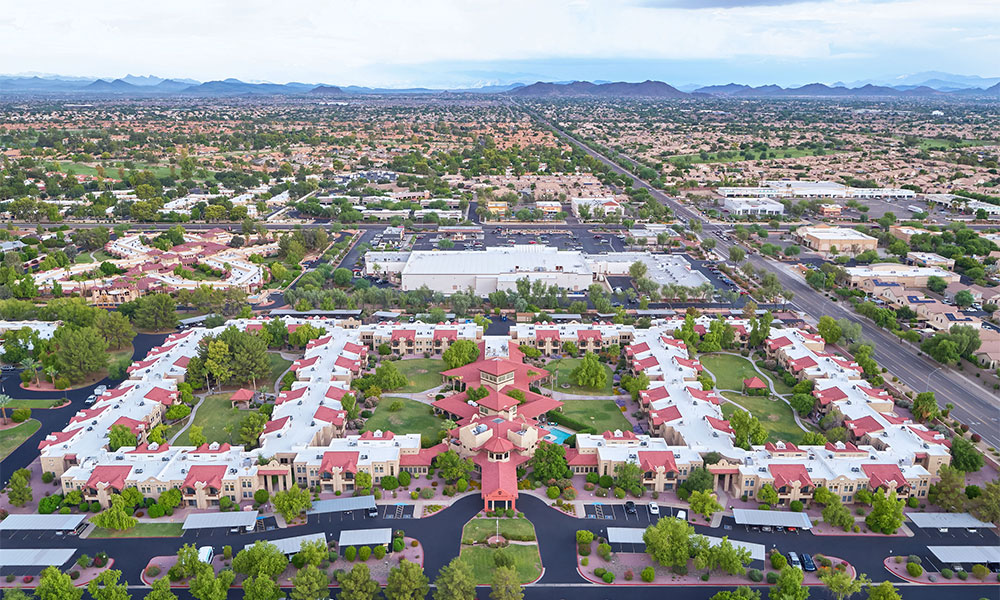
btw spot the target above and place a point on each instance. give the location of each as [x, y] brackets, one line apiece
[365, 537]
[35, 557]
[771, 518]
[757, 551]
[244, 519]
[291, 545]
[42, 523]
[342, 504]
[940, 520]
[951, 555]
[625, 539]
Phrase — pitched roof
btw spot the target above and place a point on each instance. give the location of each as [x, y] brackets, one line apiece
[208, 475]
[113, 476]
[881, 475]
[786, 474]
[344, 460]
[241, 395]
[754, 383]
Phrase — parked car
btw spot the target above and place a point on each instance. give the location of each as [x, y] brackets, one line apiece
[654, 508]
[793, 559]
[90, 399]
[807, 563]
[372, 512]
[630, 507]
[100, 389]
[682, 515]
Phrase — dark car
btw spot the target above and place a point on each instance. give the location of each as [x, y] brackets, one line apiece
[630, 507]
[807, 563]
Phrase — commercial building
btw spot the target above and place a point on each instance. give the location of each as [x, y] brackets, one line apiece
[909, 276]
[826, 239]
[929, 259]
[906, 232]
[596, 208]
[752, 206]
[788, 188]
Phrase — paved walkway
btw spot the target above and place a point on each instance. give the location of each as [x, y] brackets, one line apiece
[190, 419]
[770, 388]
[425, 397]
[557, 395]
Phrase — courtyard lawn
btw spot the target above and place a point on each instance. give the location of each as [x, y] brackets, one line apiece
[729, 370]
[101, 256]
[779, 384]
[278, 366]
[527, 562]
[11, 438]
[774, 415]
[214, 415]
[413, 417]
[602, 415]
[421, 373]
[563, 369]
[141, 530]
[479, 530]
[83, 258]
[33, 403]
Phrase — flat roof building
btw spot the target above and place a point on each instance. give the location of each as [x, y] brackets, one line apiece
[788, 188]
[826, 239]
[753, 206]
[905, 275]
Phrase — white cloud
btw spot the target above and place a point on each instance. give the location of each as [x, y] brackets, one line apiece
[360, 41]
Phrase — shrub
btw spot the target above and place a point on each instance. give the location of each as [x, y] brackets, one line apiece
[569, 494]
[74, 575]
[461, 485]
[980, 571]
[350, 554]
[913, 558]
[414, 544]
[585, 561]
[398, 545]
[947, 573]
[648, 574]
[379, 552]
[584, 536]
[705, 576]
[583, 549]
[795, 506]
[593, 478]
[62, 383]
[364, 553]
[963, 575]
[608, 577]
[629, 575]
[11, 577]
[298, 561]
[772, 577]
[898, 559]
[912, 502]
[152, 571]
[778, 561]
[600, 572]
[83, 561]
[619, 493]
[601, 492]
[605, 481]
[48, 476]
[914, 569]
[755, 575]
[604, 551]
[553, 492]
[20, 415]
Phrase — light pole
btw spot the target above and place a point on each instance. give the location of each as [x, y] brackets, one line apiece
[927, 380]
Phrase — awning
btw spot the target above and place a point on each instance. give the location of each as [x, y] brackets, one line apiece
[966, 554]
[940, 520]
[771, 518]
[365, 537]
[291, 545]
[220, 519]
[343, 504]
[625, 535]
[757, 551]
[35, 557]
[41, 522]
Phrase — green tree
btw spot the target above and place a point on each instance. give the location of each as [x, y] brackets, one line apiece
[987, 506]
[262, 558]
[842, 585]
[218, 362]
[590, 373]
[291, 502]
[741, 593]
[452, 466]
[506, 585]
[251, 427]
[195, 435]
[156, 312]
[115, 328]
[313, 553]
[768, 494]
[737, 254]
[106, 587]
[883, 591]
[119, 436]
[964, 455]
[887, 513]
[949, 491]
[79, 352]
[310, 584]
[455, 581]
[747, 429]
[161, 590]
[56, 585]
[704, 503]
[789, 586]
[357, 584]
[549, 462]
[963, 299]
[829, 329]
[407, 582]
[115, 516]
[460, 353]
[207, 585]
[925, 406]
[261, 587]
[19, 488]
[669, 542]
[388, 377]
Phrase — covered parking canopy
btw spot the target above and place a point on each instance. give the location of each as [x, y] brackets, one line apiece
[633, 535]
[771, 518]
[291, 545]
[227, 519]
[365, 537]
[343, 504]
[966, 554]
[757, 551]
[940, 520]
[35, 557]
[41, 522]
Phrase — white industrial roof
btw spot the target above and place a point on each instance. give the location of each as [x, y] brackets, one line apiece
[41, 522]
[35, 557]
[625, 535]
[966, 554]
[773, 518]
[342, 504]
[291, 545]
[365, 537]
[939, 520]
[224, 519]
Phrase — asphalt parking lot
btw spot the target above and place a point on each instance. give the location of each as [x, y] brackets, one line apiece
[616, 512]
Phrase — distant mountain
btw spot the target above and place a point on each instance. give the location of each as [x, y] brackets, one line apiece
[327, 90]
[171, 85]
[813, 90]
[722, 90]
[142, 80]
[118, 86]
[646, 89]
[228, 87]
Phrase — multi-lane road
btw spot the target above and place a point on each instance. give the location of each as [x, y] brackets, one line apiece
[975, 405]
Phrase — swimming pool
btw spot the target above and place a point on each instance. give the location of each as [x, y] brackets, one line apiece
[557, 436]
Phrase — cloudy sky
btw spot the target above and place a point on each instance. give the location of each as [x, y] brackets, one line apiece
[438, 43]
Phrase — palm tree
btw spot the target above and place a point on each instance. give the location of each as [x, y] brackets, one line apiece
[30, 364]
[4, 401]
[51, 371]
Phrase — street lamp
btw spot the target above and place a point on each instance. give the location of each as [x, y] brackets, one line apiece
[927, 380]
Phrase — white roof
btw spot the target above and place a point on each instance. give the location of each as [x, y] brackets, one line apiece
[757, 551]
[966, 554]
[365, 537]
[35, 557]
[939, 519]
[343, 504]
[41, 522]
[625, 535]
[291, 545]
[773, 518]
[221, 519]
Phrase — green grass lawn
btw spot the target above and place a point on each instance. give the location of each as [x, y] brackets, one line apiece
[33, 403]
[774, 415]
[123, 352]
[479, 530]
[413, 417]
[11, 438]
[83, 258]
[606, 414]
[526, 560]
[111, 168]
[214, 414]
[779, 383]
[729, 370]
[101, 256]
[421, 373]
[141, 530]
[278, 365]
[563, 371]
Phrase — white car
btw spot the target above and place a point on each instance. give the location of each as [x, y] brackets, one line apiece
[682, 515]
[654, 508]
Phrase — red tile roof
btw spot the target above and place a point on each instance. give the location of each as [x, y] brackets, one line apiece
[346, 461]
[588, 334]
[241, 395]
[136, 427]
[781, 447]
[651, 460]
[161, 395]
[883, 475]
[832, 394]
[304, 362]
[665, 415]
[860, 427]
[335, 393]
[113, 476]
[206, 448]
[207, 475]
[403, 334]
[149, 449]
[799, 364]
[931, 437]
[329, 415]
[290, 395]
[355, 348]
[497, 445]
[497, 401]
[547, 334]
[422, 458]
[619, 435]
[275, 425]
[720, 424]
[382, 435]
[577, 459]
[842, 447]
[754, 383]
[637, 349]
[786, 474]
[58, 437]
[499, 479]
[446, 334]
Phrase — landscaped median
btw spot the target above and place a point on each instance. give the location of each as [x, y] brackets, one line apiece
[83, 571]
[909, 568]
[489, 543]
